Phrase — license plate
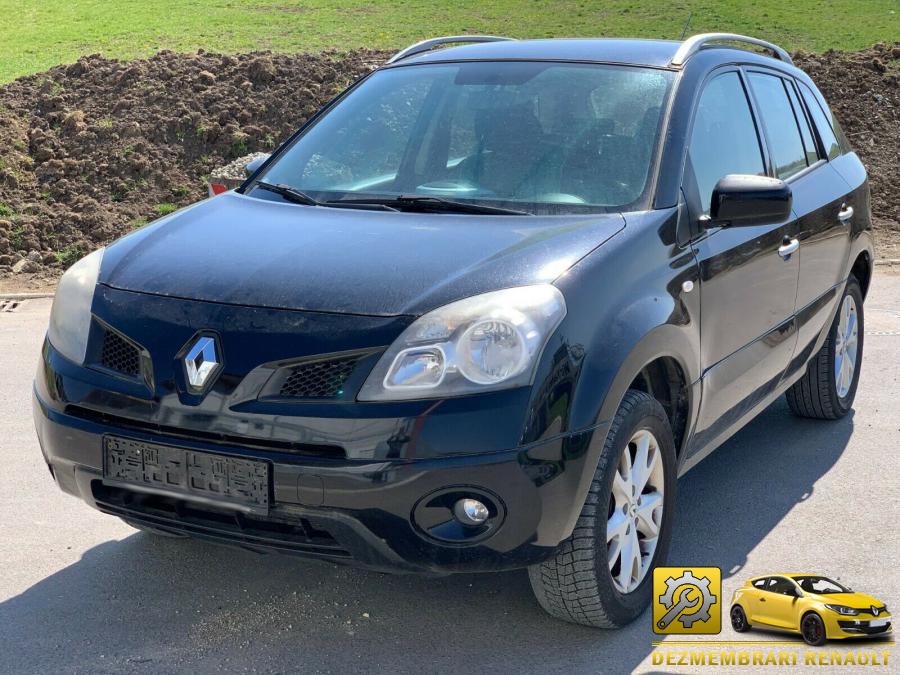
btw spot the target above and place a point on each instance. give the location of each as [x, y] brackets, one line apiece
[229, 481]
[878, 622]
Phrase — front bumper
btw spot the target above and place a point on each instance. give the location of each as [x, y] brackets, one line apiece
[838, 626]
[347, 510]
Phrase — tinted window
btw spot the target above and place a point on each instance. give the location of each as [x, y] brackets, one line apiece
[812, 154]
[760, 583]
[781, 126]
[724, 138]
[823, 123]
[781, 585]
[547, 137]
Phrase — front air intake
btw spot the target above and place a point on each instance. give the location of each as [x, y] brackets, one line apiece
[318, 379]
[120, 355]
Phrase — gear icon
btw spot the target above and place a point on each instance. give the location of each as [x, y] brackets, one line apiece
[688, 579]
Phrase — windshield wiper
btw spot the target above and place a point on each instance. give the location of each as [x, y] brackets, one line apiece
[291, 194]
[299, 197]
[431, 204]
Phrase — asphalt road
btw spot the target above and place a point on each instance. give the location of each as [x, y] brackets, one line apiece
[83, 592]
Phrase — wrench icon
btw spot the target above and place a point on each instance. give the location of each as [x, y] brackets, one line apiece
[683, 604]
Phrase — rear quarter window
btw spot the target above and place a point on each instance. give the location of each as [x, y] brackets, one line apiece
[826, 125]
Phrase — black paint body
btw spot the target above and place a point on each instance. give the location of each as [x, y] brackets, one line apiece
[278, 282]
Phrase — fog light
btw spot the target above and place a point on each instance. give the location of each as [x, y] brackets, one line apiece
[470, 512]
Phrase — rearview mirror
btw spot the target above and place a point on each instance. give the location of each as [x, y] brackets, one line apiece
[254, 164]
[739, 200]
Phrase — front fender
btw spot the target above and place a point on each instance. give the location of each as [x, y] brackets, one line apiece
[635, 299]
[628, 304]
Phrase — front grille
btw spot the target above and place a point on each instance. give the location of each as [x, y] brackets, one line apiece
[285, 533]
[119, 354]
[318, 379]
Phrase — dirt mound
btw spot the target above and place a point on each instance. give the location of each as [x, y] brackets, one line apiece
[91, 150]
[863, 88]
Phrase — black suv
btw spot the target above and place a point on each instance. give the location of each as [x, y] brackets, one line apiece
[479, 313]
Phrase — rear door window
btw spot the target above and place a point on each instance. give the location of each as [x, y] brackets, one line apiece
[724, 138]
[785, 143]
[812, 154]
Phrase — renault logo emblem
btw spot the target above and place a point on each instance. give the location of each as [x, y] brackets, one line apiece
[202, 362]
[875, 610]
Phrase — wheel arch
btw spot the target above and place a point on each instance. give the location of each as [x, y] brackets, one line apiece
[663, 364]
[862, 270]
[805, 613]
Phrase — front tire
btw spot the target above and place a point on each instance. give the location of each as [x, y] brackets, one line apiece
[813, 630]
[827, 389]
[601, 575]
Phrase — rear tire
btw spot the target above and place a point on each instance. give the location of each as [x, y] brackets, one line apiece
[739, 620]
[819, 393]
[577, 584]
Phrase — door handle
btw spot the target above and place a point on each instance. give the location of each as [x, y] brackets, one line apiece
[845, 214]
[788, 246]
[762, 599]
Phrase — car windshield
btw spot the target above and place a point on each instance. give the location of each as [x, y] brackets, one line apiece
[820, 585]
[538, 137]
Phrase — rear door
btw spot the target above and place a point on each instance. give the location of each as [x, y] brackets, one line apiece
[747, 286]
[820, 201]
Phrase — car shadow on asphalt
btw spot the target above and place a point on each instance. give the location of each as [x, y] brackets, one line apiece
[151, 604]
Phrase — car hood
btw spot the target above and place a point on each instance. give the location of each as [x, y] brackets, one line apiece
[854, 600]
[249, 251]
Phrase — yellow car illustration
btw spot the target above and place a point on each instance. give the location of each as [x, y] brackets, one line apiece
[817, 607]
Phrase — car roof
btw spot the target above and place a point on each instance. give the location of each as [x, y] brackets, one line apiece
[788, 574]
[627, 51]
[657, 53]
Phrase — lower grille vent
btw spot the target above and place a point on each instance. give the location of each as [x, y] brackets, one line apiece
[288, 535]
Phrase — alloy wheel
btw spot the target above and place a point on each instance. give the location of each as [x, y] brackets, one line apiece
[812, 629]
[635, 511]
[737, 618]
[845, 347]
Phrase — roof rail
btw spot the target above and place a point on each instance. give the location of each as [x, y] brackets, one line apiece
[694, 44]
[428, 45]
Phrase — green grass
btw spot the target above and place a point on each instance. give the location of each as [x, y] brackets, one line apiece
[68, 255]
[165, 209]
[38, 34]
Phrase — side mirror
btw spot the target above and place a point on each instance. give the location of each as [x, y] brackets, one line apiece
[739, 200]
[254, 164]
[798, 592]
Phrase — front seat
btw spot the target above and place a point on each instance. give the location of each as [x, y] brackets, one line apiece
[510, 149]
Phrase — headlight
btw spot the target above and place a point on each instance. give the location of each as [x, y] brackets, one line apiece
[483, 343]
[70, 318]
[841, 609]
